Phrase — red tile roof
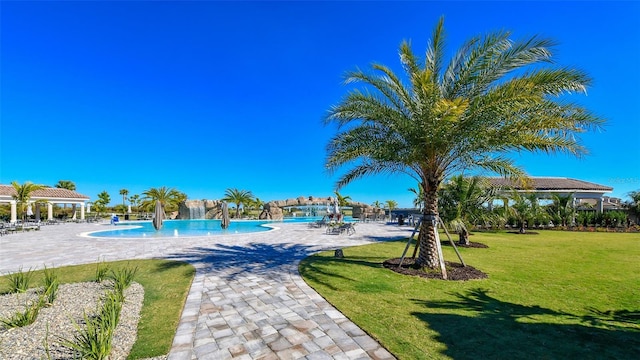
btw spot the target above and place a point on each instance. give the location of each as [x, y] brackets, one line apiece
[50, 193]
[551, 183]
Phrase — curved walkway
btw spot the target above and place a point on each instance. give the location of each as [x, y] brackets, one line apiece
[247, 300]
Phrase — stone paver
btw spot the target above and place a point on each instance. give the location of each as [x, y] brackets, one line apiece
[247, 300]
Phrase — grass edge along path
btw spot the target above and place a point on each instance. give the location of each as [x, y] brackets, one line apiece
[551, 295]
[166, 286]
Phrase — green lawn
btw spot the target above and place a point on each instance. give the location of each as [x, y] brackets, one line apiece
[555, 295]
[166, 285]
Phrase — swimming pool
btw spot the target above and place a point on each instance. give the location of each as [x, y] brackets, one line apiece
[186, 228]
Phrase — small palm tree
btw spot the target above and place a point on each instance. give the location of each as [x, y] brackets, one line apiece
[634, 204]
[342, 200]
[101, 204]
[23, 195]
[526, 209]
[562, 208]
[238, 197]
[391, 204]
[494, 96]
[461, 202]
[418, 201]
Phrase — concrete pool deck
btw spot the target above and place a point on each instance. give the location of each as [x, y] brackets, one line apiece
[247, 300]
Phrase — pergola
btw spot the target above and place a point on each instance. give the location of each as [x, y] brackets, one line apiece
[545, 187]
[49, 196]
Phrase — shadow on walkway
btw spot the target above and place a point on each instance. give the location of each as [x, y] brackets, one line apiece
[252, 258]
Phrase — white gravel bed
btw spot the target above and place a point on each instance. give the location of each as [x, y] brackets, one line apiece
[57, 321]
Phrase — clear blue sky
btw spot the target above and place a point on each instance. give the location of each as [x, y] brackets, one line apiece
[206, 96]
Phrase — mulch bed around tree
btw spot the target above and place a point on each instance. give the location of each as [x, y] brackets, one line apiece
[455, 271]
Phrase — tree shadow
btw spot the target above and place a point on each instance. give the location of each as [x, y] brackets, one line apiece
[598, 317]
[496, 329]
[232, 261]
[314, 268]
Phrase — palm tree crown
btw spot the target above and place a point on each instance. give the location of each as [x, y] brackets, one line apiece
[169, 197]
[23, 195]
[494, 96]
[238, 197]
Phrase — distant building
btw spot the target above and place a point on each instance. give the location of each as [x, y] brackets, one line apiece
[582, 192]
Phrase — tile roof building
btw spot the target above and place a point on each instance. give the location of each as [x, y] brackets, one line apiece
[544, 187]
[47, 195]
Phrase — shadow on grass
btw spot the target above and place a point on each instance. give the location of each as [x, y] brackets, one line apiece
[598, 317]
[503, 330]
[313, 268]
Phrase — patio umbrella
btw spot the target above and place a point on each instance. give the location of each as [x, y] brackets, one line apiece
[158, 216]
[225, 216]
[29, 211]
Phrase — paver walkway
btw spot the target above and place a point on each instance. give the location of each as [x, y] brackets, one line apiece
[247, 300]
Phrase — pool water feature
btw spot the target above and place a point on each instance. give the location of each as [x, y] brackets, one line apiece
[194, 227]
[184, 228]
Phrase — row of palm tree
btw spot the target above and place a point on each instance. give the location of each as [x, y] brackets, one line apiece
[242, 198]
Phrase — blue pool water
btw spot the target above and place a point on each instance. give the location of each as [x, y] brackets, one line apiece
[171, 228]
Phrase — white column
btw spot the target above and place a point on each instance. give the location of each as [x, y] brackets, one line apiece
[600, 206]
[81, 211]
[14, 211]
[49, 211]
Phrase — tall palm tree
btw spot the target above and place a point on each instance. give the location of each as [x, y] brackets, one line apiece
[461, 201]
[168, 197]
[23, 195]
[124, 193]
[134, 200]
[494, 96]
[68, 185]
[238, 197]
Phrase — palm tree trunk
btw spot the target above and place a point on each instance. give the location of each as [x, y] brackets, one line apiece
[463, 237]
[428, 255]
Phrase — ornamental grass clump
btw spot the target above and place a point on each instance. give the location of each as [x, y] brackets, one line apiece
[93, 341]
[102, 270]
[19, 281]
[51, 284]
[122, 278]
[27, 317]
